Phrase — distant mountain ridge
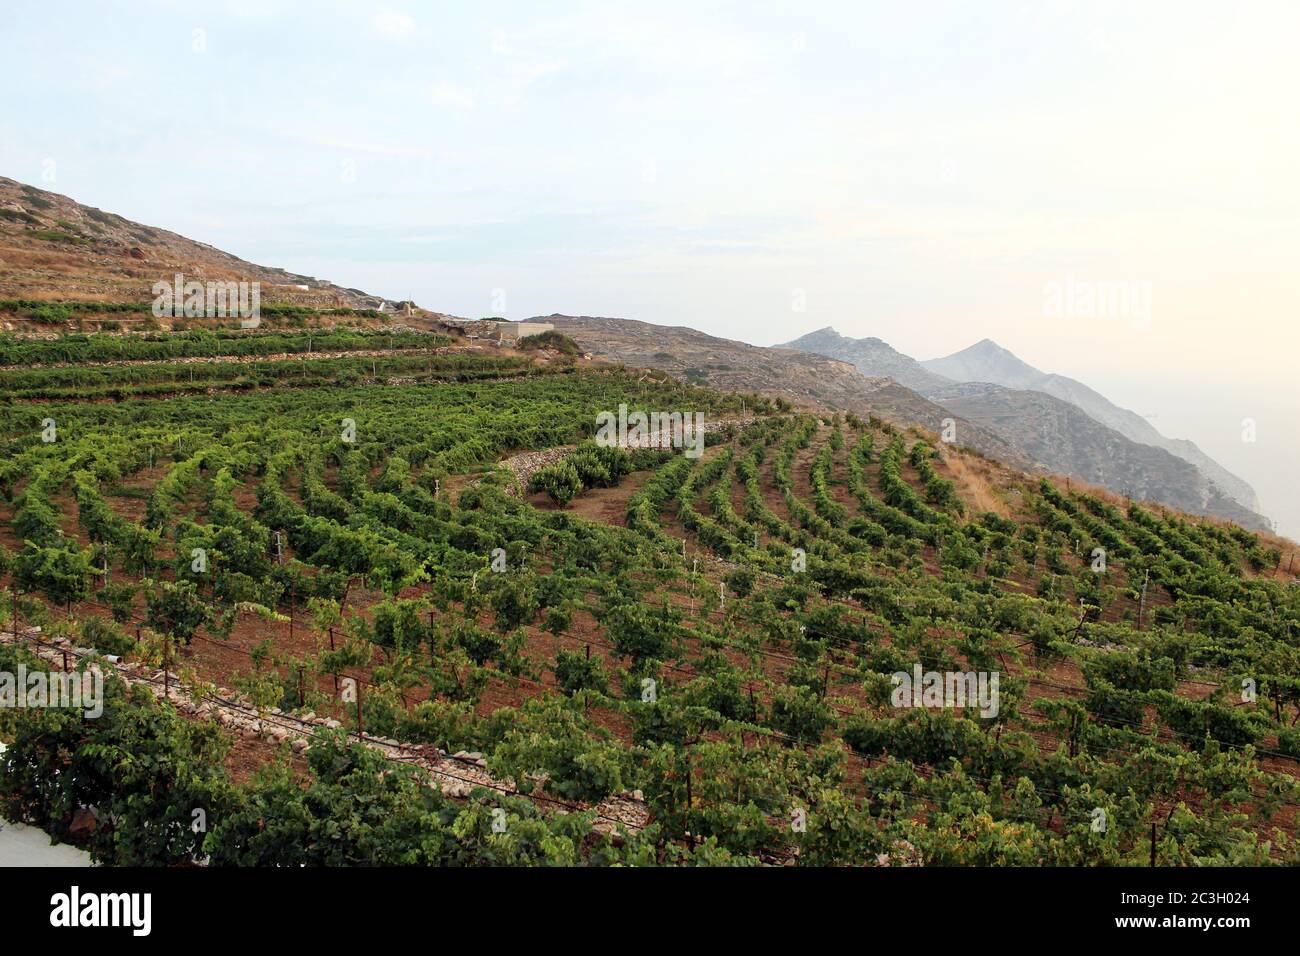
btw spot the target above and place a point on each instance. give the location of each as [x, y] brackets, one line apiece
[1065, 439]
[1056, 422]
[986, 361]
[803, 377]
[872, 356]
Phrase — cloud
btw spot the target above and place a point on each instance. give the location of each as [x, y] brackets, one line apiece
[527, 72]
[393, 23]
[513, 80]
[374, 148]
[447, 94]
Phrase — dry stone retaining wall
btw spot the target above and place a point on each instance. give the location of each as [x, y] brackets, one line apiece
[525, 465]
[454, 774]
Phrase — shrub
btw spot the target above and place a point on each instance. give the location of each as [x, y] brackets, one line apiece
[50, 314]
[641, 634]
[1288, 741]
[559, 618]
[741, 581]
[177, 609]
[32, 196]
[551, 340]
[591, 470]
[17, 215]
[140, 764]
[104, 634]
[560, 480]
[58, 235]
[513, 601]
[575, 671]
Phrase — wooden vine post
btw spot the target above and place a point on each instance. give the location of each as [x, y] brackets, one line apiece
[336, 676]
[1142, 598]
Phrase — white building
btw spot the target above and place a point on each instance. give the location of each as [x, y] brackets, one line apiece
[514, 331]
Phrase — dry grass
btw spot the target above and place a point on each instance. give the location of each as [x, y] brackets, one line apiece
[977, 482]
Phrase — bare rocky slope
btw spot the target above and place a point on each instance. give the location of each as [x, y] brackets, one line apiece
[53, 247]
[986, 361]
[872, 356]
[1066, 440]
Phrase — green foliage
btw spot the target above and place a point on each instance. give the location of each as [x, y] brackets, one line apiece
[556, 341]
[737, 715]
[576, 671]
[740, 581]
[641, 633]
[560, 480]
[143, 768]
[58, 235]
[549, 738]
[176, 609]
[60, 571]
[513, 601]
[1288, 741]
[104, 634]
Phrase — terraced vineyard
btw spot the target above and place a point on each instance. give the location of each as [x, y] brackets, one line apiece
[314, 523]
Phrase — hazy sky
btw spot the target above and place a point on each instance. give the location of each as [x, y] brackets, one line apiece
[926, 173]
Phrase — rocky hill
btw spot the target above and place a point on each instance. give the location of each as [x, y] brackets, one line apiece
[52, 247]
[1063, 439]
[986, 361]
[871, 356]
[1048, 420]
[804, 378]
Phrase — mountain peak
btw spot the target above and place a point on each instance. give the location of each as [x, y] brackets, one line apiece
[990, 363]
[986, 361]
[985, 347]
[826, 333]
[872, 356]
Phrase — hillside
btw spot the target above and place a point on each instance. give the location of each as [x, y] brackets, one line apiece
[1055, 433]
[373, 595]
[52, 247]
[804, 378]
[639, 658]
[986, 361]
[1062, 438]
[871, 356]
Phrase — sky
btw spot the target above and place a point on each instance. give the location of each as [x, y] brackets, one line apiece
[928, 173]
